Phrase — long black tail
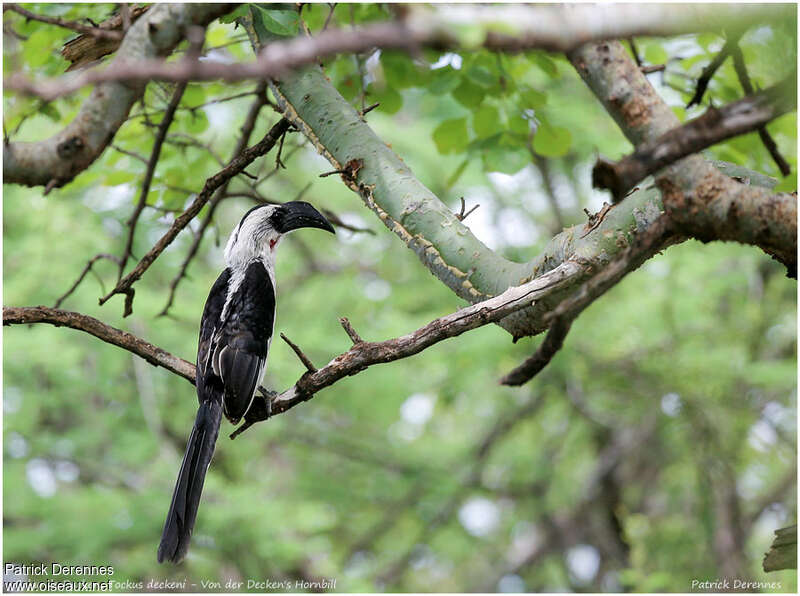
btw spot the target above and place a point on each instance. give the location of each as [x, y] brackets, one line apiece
[188, 488]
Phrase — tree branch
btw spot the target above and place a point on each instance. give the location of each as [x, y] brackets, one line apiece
[702, 202]
[161, 134]
[247, 130]
[740, 117]
[538, 28]
[96, 32]
[25, 315]
[56, 161]
[747, 86]
[83, 274]
[552, 343]
[364, 354]
[216, 181]
[712, 67]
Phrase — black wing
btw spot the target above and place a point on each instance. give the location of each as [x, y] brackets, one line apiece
[210, 323]
[241, 344]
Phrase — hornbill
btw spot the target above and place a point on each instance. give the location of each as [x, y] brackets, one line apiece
[235, 335]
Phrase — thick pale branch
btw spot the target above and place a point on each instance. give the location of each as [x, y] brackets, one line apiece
[212, 184]
[57, 160]
[702, 202]
[548, 28]
[740, 117]
[64, 318]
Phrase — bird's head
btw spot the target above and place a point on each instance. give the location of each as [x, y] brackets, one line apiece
[262, 228]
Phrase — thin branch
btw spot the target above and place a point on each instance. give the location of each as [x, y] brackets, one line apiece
[365, 354]
[300, 354]
[57, 160]
[86, 270]
[542, 28]
[747, 86]
[212, 184]
[64, 318]
[59, 22]
[715, 125]
[462, 215]
[657, 237]
[351, 333]
[247, 130]
[161, 134]
[552, 343]
[711, 69]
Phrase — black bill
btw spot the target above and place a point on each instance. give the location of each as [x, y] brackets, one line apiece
[299, 214]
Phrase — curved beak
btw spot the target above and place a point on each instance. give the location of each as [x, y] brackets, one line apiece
[299, 214]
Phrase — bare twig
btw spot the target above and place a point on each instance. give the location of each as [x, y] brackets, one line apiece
[462, 215]
[747, 86]
[86, 270]
[59, 22]
[552, 343]
[657, 237]
[635, 51]
[739, 117]
[708, 71]
[651, 68]
[148, 176]
[63, 318]
[368, 109]
[212, 184]
[220, 193]
[299, 353]
[348, 328]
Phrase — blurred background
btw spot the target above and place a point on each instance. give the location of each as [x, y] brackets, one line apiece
[658, 447]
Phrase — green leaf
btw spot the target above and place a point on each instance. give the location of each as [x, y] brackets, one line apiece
[519, 124]
[196, 122]
[49, 110]
[468, 94]
[507, 161]
[546, 63]
[655, 54]
[481, 76]
[275, 22]
[391, 101]
[194, 95]
[486, 121]
[118, 177]
[451, 136]
[444, 80]
[400, 71]
[532, 98]
[552, 141]
[232, 16]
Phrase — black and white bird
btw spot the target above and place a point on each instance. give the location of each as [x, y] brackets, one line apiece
[235, 335]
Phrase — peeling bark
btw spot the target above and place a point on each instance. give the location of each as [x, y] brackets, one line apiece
[702, 202]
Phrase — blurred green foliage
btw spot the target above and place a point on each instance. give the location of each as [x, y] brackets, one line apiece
[669, 413]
